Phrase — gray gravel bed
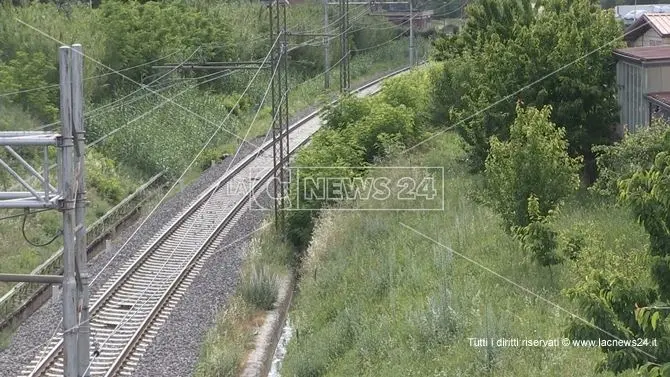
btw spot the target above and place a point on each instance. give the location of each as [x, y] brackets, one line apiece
[186, 326]
[176, 348]
[29, 338]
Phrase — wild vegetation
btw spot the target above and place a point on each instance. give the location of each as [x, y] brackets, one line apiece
[228, 343]
[510, 51]
[524, 248]
[136, 132]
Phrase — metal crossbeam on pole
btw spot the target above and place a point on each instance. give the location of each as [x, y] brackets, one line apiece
[213, 65]
[69, 198]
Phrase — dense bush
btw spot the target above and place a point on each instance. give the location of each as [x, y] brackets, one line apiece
[138, 33]
[608, 292]
[635, 152]
[630, 303]
[31, 70]
[533, 163]
[357, 132]
[103, 175]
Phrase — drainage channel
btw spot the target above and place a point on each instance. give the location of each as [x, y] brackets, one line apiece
[280, 351]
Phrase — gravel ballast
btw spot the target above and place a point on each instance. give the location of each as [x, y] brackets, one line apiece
[30, 337]
[175, 350]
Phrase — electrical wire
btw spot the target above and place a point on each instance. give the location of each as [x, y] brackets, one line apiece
[330, 24]
[174, 185]
[23, 214]
[102, 138]
[130, 94]
[23, 232]
[379, 45]
[184, 173]
[101, 110]
[199, 116]
[91, 77]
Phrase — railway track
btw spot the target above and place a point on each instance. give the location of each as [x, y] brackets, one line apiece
[130, 308]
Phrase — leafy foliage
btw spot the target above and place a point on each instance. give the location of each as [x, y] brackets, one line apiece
[635, 152]
[648, 193]
[27, 71]
[534, 163]
[608, 294]
[357, 132]
[507, 46]
[141, 32]
[621, 301]
[102, 173]
[538, 238]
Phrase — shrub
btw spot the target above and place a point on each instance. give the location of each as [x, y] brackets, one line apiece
[138, 33]
[537, 238]
[410, 90]
[534, 162]
[609, 289]
[348, 110]
[260, 289]
[28, 70]
[635, 152]
[103, 175]
[383, 121]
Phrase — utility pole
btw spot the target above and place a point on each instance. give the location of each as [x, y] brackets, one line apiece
[279, 97]
[326, 45]
[345, 76]
[84, 339]
[280, 119]
[66, 187]
[68, 198]
[411, 35]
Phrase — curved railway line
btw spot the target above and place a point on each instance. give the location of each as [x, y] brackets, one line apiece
[134, 303]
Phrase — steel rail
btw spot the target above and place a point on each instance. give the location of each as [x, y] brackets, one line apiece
[52, 356]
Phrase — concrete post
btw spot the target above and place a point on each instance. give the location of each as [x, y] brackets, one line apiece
[326, 46]
[83, 346]
[70, 325]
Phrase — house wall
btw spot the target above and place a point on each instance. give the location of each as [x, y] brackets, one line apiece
[658, 79]
[634, 82]
[631, 83]
[650, 38]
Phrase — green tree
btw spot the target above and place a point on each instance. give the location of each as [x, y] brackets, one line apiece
[555, 58]
[622, 302]
[533, 163]
[27, 71]
[138, 33]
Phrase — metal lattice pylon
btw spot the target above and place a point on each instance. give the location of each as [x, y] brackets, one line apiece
[280, 114]
[69, 198]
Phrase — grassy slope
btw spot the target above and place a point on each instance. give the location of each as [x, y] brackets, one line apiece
[377, 299]
[232, 337]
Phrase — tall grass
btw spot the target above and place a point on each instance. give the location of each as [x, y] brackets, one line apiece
[225, 348]
[377, 299]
